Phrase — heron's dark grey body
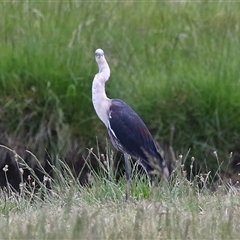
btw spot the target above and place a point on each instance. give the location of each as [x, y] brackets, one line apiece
[129, 134]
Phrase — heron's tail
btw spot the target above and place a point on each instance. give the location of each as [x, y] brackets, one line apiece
[156, 165]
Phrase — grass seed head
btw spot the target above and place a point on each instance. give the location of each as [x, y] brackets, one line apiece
[15, 156]
[45, 179]
[21, 171]
[215, 154]
[5, 169]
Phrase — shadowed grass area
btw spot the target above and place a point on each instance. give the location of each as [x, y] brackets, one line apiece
[174, 63]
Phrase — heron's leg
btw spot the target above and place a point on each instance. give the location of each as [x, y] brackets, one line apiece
[146, 171]
[128, 174]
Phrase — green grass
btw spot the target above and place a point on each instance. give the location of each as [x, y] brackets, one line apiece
[174, 63]
[175, 210]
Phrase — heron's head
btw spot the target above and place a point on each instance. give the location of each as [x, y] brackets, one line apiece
[102, 64]
[99, 54]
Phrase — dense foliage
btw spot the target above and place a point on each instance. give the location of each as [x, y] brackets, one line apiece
[176, 64]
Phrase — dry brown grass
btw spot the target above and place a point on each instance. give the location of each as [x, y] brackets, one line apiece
[70, 216]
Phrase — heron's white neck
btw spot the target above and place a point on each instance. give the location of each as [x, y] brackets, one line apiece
[100, 100]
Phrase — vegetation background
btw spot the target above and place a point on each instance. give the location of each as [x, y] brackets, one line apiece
[175, 63]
